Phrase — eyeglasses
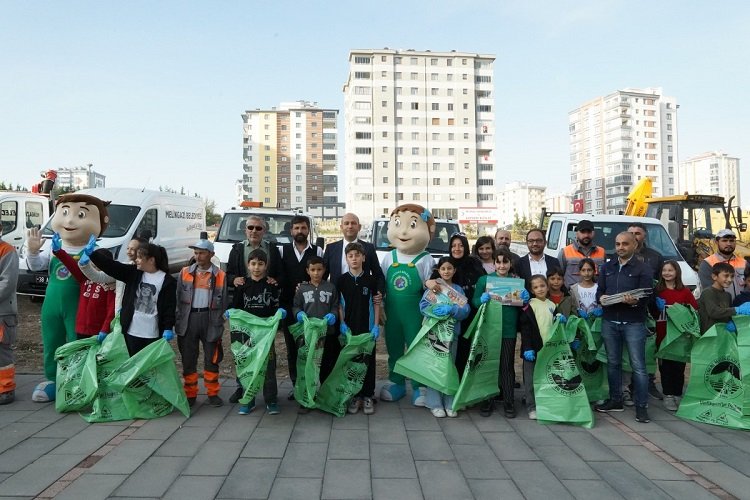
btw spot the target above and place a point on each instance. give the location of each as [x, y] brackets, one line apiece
[535, 241]
[257, 228]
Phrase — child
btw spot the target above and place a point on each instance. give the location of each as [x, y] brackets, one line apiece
[744, 295]
[507, 376]
[357, 312]
[557, 292]
[670, 290]
[535, 323]
[150, 297]
[583, 293]
[715, 304]
[319, 299]
[441, 404]
[260, 298]
[484, 250]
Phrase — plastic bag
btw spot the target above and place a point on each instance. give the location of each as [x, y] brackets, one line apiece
[479, 380]
[682, 329]
[593, 372]
[743, 351]
[716, 392]
[309, 335]
[251, 355]
[76, 374]
[428, 360]
[108, 406]
[348, 374]
[558, 387]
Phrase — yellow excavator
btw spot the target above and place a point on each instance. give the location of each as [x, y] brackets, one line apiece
[691, 220]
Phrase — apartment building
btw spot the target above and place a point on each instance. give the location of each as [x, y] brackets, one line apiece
[79, 178]
[712, 173]
[520, 200]
[618, 139]
[290, 156]
[419, 128]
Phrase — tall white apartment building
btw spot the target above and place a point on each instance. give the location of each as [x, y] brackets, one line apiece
[79, 178]
[290, 156]
[558, 202]
[520, 200]
[711, 173]
[618, 139]
[419, 128]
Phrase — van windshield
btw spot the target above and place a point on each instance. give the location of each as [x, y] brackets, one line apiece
[121, 217]
[438, 244]
[605, 233]
[232, 228]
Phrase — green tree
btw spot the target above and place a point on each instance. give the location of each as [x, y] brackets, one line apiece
[212, 217]
[520, 226]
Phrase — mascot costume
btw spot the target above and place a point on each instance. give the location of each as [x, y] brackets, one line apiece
[406, 268]
[76, 218]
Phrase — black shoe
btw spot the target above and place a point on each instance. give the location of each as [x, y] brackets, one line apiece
[609, 405]
[237, 395]
[191, 401]
[641, 415]
[488, 406]
[290, 396]
[215, 401]
[7, 397]
[510, 411]
[654, 392]
[498, 399]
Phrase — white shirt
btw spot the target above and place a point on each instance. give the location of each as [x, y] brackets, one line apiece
[302, 253]
[587, 296]
[145, 324]
[344, 265]
[538, 266]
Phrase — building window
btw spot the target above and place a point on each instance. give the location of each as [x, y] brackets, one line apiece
[415, 105]
[361, 60]
[435, 106]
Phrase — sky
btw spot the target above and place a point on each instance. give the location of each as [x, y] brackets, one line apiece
[151, 93]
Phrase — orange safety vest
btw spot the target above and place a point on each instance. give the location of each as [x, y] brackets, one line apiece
[738, 263]
[572, 257]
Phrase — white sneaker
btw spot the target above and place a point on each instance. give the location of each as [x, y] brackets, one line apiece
[438, 412]
[532, 414]
[354, 405]
[670, 402]
[368, 406]
[451, 413]
[627, 398]
[418, 398]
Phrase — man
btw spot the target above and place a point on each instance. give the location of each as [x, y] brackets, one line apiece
[625, 323]
[294, 258]
[536, 261]
[570, 256]
[8, 321]
[726, 242]
[502, 238]
[201, 302]
[648, 256]
[255, 230]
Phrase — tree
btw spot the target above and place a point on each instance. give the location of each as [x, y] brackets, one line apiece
[521, 225]
[212, 218]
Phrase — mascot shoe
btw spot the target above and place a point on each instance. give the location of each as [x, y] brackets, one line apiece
[44, 392]
[418, 397]
[392, 392]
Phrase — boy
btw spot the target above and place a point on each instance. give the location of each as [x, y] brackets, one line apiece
[358, 313]
[715, 304]
[260, 298]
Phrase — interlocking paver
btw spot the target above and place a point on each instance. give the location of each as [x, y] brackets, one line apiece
[535, 434]
[185, 442]
[311, 430]
[347, 479]
[153, 478]
[627, 481]
[357, 421]
[678, 447]
[461, 431]
[685, 489]
[160, 428]
[67, 426]
[387, 430]
[509, 446]
[37, 476]
[587, 446]
[88, 440]
[535, 480]
[236, 428]
[729, 455]
[564, 464]
[442, 479]
[403, 489]
[194, 488]
[650, 465]
[419, 419]
[698, 436]
[26, 452]
[18, 431]
[392, 461]
[429, 445]
[727, 477]
[304, 460]
[348, 444]
[215, 458]
[286, 488]
[492, 489]
[250, 478]
[267, 442]
[591, 489]
[126, 457]
[92, 487]
[478, 462]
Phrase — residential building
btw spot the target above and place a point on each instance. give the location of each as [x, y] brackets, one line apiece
[79, 178]
[713, 173]
[617, 140]
[519, 200]
[419, 128]
[558, 202]
[290, 156]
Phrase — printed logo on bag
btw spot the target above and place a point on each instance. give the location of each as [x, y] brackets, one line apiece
[401, 280]
[162, 407]
[592, 367]
[723, 377]
[477, 355]
[563, 375]
[441, 347]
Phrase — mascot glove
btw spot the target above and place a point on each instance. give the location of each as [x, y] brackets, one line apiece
[442, 309]
[100, 338]
[343, 328]
[330, 319]
[90, 246]
[283, 312]
[301, 316]
[661, 304]
[56, 242]
[731, 327]
[168, 335]
[529, 355]
[226, 314]
[582, 313]
[575, 345]
[597, 312]
[743, 309]
[525, 297]
[375, 332]
[84, 260]
[561, 318]
[484, 298]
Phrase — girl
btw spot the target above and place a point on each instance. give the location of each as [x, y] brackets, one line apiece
[535, 323]
[484, 250]
[583, 293]
[557, 292]
[670, 290]
[150, 296]
[441, 404]
[509, 328]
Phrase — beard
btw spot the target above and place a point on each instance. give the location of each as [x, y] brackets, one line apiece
[585, 241]
[300, 238]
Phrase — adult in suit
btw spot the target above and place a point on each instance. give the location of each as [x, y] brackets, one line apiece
[536, 261]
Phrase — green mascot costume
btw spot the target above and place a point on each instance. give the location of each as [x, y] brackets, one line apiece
[406, 268]
[76, 218]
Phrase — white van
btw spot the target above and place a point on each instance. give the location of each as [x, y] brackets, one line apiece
[20, 211]
[174, 221]
[562, 231]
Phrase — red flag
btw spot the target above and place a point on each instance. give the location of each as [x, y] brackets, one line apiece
[578, 206]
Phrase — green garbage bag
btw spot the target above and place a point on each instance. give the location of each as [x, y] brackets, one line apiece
[76, 374]
[348, 374]
[309, 335]
[479, 380]
[428, 360]
[743, 350]
[715, 393]
[108, 406]
[683, 328]
[593, 372]
[558, 387]
[251, 355]
[601, 355]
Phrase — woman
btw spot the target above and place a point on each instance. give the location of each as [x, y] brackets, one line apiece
[484, 250]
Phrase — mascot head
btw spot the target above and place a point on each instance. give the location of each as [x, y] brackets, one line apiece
[411, 228]
[78, 216]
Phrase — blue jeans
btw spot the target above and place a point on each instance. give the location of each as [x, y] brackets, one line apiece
[633, 335]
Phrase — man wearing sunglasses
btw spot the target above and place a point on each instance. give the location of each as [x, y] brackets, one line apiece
[255, 230]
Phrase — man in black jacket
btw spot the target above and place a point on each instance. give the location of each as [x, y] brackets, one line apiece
[536, 261]
[335, 260]
[255, 230]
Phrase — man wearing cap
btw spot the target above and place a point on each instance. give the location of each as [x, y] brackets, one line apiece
[726, 242]
[201, 301]
[583, 246]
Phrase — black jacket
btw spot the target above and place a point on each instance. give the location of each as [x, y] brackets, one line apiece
[236, 267]
[371, 266]
[613, 279]
[522, 268]
[531, 339]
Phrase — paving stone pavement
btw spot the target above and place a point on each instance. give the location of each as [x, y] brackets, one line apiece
[401, 452]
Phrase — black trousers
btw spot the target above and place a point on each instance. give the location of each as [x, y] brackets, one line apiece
[672, 377]
[507, 375]
[135, 344]
[291, 345]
